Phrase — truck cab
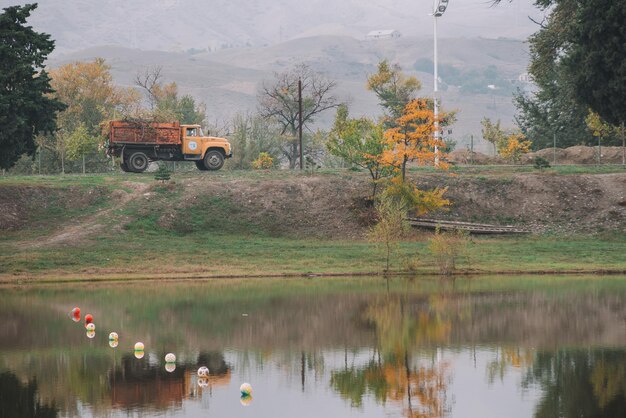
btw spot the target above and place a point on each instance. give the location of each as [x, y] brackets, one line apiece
[208, 152]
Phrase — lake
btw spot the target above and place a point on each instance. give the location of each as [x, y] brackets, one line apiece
[532, 346]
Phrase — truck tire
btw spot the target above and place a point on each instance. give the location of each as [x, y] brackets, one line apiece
[213, 160]
[138, 162]
[200, 165]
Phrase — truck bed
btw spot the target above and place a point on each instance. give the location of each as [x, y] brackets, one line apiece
[144, 133]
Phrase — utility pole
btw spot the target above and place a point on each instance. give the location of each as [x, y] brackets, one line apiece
[554, 150]
[300, 121]
[623, 145]
[472, 149]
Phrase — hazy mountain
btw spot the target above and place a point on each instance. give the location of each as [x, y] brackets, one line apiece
[220, 51]
[175, 25]
[228, 80]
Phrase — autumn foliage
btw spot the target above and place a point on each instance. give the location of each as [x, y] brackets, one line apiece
[263, 162]
[510, 144]
[412, 139]
[514, 146]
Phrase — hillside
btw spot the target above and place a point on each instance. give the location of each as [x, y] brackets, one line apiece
[228, 80]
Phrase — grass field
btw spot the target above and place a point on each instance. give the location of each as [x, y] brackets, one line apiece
[169, 255]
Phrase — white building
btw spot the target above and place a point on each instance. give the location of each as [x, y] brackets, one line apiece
[525, 78]
[383, 34]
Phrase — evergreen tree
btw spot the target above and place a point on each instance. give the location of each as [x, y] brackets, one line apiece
[596, 60]
[162, 174]
[25, 107]
[578, 61]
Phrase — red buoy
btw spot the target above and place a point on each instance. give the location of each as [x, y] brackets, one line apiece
[75, 314]
[88, 319]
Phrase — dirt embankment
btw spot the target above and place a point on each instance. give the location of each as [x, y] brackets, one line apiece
[541, 202]
[560, 156]
[318, 206]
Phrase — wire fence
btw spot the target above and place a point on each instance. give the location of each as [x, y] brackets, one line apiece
[48, 163]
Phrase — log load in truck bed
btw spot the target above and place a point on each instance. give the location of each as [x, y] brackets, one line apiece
[138, 143]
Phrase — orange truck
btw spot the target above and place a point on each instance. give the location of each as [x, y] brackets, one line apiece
[137, 143]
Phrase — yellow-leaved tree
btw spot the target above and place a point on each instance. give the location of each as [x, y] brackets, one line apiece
[91, 97]
[514, 146]
[412, 139]
[601, 129]
[510, 144]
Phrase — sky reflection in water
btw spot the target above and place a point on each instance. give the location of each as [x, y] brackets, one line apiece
[492, 347]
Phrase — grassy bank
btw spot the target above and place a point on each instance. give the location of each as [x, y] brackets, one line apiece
[209, 255]
[239, 224]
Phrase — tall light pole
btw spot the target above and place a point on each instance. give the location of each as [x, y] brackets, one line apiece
[439, 7]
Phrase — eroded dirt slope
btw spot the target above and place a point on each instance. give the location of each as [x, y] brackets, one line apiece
[317, 206]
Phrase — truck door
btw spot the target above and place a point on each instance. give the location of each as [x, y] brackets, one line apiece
[191, 141]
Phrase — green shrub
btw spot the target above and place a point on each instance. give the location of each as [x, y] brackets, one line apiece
[540, 163]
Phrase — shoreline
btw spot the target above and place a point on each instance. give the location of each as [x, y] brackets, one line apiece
[30, 280]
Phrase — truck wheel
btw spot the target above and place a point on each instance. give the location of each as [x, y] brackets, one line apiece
[200, 165]
[138, 162]
[124, 167]
[213, 160]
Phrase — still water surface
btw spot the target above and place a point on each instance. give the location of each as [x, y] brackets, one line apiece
[480, 347]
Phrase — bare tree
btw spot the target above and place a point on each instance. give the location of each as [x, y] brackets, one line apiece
[278, 102]
[150, 81]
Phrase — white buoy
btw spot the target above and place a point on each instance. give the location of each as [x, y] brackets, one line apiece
[90, 326]
[203, 372]
[139, 346]
[245, 389]
[170, 367]
[170, 358]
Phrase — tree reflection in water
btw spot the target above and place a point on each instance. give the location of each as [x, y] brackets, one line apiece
[403, 327]
[20, 400]
[138, 384]
[580, 383]
[506, 358]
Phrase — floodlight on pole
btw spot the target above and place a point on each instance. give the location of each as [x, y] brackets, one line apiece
[439, 7]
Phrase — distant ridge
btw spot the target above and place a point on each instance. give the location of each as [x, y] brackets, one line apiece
[228, 80]
[180, 25]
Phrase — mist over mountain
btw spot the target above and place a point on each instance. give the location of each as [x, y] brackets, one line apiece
[220, 51]
[174, 25]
